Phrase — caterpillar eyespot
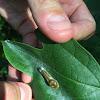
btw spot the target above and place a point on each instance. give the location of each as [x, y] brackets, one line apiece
[51, 81]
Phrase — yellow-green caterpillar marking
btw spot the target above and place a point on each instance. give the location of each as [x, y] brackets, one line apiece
[51, 81]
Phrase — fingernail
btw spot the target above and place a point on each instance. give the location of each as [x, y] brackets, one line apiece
[22, 93]
[58, 22]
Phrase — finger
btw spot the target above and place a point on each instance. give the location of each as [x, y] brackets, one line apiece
[13, 74]
[90, 35]
[30, 39]
[51, 19]
[15, 91]
[83, 23]
[40, 46]
[26, 29]
[26, 78]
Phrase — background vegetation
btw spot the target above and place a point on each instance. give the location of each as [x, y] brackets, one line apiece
[6, 33]
[92, 45]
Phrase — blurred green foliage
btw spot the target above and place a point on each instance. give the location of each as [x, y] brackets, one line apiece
[6, 33]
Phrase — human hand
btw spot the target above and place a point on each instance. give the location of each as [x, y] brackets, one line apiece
[15, 91]
[60, 20]
[73, 18]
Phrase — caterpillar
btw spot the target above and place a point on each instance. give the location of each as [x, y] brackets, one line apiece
[51, 81]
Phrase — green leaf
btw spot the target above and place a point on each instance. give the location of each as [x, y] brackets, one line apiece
[76, 71]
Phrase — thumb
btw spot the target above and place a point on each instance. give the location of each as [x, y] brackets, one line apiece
[51, 19]
[15, 91]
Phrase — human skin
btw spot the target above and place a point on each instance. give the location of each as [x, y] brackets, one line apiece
[60, 20]
[15, 91]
